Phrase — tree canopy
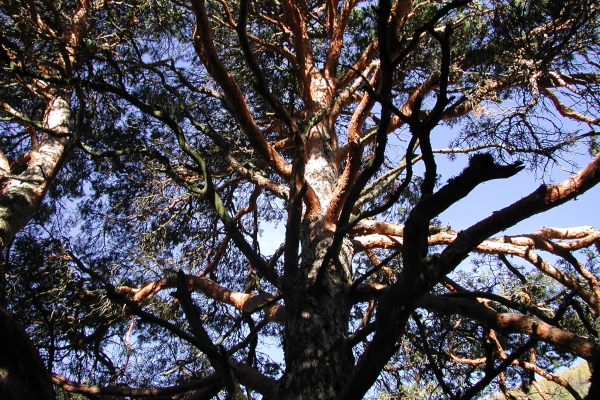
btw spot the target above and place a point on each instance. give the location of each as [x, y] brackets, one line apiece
[149, 147]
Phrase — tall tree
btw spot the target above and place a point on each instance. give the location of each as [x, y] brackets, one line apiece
[203, 121]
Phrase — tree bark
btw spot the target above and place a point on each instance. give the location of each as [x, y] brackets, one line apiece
[21, 196]
[318, 356]
[23, 375]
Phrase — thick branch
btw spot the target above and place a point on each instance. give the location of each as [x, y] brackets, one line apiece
[543, 199]
[242, 301]
[511, 323]
[397, 304]
[210, 384]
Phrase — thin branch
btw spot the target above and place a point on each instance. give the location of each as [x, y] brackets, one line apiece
[217, 356]
[432, 362]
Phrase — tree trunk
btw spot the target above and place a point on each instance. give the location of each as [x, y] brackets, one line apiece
[20, 196]
[318, 357]
[23, 375]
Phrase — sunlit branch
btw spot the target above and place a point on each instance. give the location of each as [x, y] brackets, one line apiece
[337, 28]
[118, 298]
[511, 323]
[567, 111]
[543, 199]
[549, 377]
[17, 117]
[244, 302]
[391, 237]
[399, 16]
[353, 163]
[294, 14]
[365, 60]
[546, 197]
[209, 384]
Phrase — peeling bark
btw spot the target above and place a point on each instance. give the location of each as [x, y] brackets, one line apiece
[20, 198]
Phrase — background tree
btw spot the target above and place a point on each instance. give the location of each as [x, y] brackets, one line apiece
[41, 121]
[199, 123]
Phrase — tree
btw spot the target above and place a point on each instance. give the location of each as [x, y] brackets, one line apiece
[175, 131]
[48, 39]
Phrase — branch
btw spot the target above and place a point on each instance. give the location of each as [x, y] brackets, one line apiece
[244, 302]
[485, 381]
[567, 111]
[306, 71]
[481, 168]
[203, 43]
[252, 175]
[118, 298]
[337, 34]
[353, 162]
[544, 198]
[511, 323]
[442, 97]
[210, 384]
[521, 246]
[253, 379]
[261, 82]
[396, 305]
[208, 191]
[552, 378]
[370, 272]
[432, 362]
[217, 356]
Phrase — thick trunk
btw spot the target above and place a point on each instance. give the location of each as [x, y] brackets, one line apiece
[317, 354]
